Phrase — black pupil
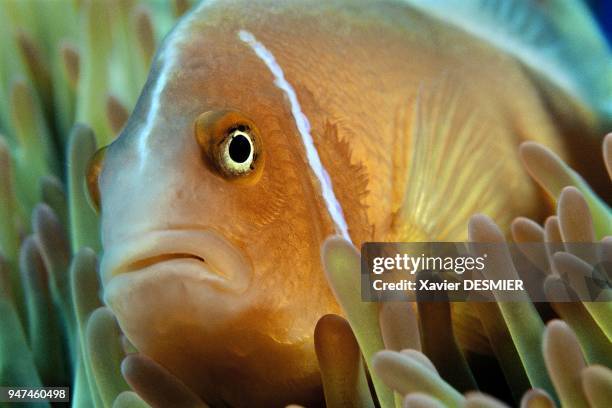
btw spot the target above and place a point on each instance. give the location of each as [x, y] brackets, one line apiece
[239, 148]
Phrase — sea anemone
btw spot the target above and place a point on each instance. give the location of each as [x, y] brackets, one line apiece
[544, 363]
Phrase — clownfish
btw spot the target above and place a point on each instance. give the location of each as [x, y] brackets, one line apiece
[264, 127]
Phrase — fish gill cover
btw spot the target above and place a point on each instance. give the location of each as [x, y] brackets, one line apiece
[70, 74]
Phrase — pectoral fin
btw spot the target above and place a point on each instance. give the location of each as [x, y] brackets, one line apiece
[459, 163]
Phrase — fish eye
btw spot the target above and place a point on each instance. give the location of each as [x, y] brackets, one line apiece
[231, 145]
[237, 152]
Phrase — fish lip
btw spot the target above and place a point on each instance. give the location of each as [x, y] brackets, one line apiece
[214, 257]
[155, 259]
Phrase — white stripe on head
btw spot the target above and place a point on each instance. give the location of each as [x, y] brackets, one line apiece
[167, 57]
[333, 205]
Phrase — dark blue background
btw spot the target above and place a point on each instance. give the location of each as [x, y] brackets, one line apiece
[602, 9]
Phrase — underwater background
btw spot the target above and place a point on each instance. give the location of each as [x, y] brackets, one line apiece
[70, 74]
[602, 10]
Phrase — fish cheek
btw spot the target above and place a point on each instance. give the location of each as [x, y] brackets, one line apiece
[285, 236]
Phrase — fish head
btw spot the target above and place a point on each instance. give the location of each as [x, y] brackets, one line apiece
[212, 226]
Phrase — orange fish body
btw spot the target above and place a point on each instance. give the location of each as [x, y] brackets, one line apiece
[263, 129]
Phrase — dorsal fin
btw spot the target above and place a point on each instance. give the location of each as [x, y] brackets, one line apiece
[557, 38]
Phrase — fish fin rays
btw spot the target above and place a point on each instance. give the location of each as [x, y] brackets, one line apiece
[446, 143]
[440, 180]
[557, 38]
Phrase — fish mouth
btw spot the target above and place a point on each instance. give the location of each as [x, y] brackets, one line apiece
[153, 260]
[201, 255]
